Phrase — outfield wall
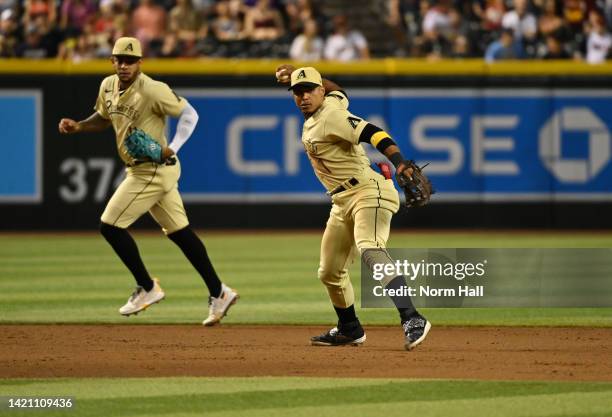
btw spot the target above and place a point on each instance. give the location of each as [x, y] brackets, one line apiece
[510, 145]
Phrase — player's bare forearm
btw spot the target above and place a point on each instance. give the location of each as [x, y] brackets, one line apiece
[394, 149]
[391, 150]
[330, 86]
[94, 123]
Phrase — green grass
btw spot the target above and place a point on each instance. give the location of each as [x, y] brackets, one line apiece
[318, 396]
[78, 279]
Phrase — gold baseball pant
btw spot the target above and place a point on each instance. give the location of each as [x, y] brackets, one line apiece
[148, 187]
[360, 219]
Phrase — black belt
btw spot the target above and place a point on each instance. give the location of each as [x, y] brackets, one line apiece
[169, 161]
[352, 182]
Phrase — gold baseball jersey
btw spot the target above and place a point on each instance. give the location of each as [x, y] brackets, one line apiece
[360, 217]
[144, 105]
[331, 140]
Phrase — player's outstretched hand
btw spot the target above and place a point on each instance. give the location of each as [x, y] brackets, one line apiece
[67, 126]
[283, 73]
[417, 187]
[405, 170]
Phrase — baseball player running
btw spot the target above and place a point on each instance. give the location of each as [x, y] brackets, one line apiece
[363, 201]
[136, 106]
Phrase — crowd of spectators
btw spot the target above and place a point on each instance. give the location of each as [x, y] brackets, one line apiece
[300, 29]
[503, 29]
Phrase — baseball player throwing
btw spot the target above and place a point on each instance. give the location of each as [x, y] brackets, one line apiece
[136, 107]
[363, 201]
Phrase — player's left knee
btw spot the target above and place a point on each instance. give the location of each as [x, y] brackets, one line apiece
[323, 274]
[331, 277]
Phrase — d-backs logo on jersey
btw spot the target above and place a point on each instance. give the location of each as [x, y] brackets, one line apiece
[310, 147]
[353, 121]
[122, 109]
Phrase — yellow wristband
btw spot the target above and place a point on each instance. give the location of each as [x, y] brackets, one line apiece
[377, 137]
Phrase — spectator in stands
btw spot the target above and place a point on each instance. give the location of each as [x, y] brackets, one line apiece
[461, 48]
[36, 8]
[485, 19]
[469, 28]
[404, 17]
[205, 8]
[171, 48]
[459, 34]
[575, 14]
[41, 40]
[524, 24]
[227, 27]
[436, 18]
[149, 23]
[121, 23]
[32, 46]
[507, 47]
[104, 21]
[493, 14]
[521, 21]
[83, 47]
[437, 29]
[9, 34]
[307, 46]
[238, 9]
[298, 12]
[187, 25]
[110, 24]
[550, 23]
[345, 44]
[75, 14]
[399, 25]
[473, 11]
[8, 4]
[228, 31]
[433, 28]
[554, 49]
[599, 43]
[263, 23]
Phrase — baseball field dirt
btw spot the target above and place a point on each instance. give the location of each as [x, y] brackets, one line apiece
[487, 353]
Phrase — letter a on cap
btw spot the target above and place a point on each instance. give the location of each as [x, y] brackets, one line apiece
[129, 48]
[302, 74]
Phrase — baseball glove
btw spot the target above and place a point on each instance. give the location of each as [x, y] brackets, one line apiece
[141, 146]
[417, 188]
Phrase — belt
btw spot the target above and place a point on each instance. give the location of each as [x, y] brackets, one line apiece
[346, 185]
[169, 161]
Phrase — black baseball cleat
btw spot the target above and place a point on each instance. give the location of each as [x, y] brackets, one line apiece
[415, 329]
[348, 334]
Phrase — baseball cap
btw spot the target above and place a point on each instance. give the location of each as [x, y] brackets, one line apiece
[127, 46]
[306, 76]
